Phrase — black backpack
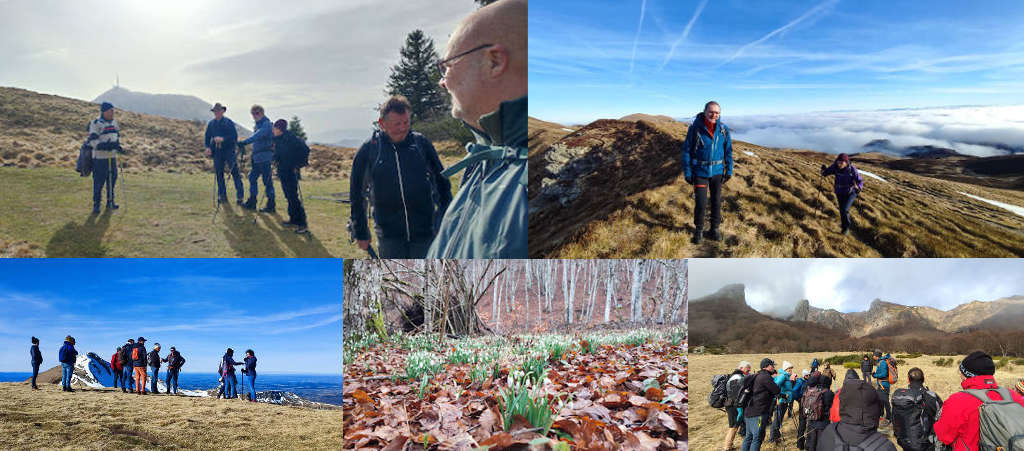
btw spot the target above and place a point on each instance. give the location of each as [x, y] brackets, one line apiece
[719, 394]
[911, 424]
[733, 389]
[124, 357]
[746, 391]
[181, 361]
[874, 442]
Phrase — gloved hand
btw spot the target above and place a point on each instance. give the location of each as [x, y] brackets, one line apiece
[823, 168]
[726, 177]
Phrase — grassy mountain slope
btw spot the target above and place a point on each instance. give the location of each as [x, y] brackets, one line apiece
[616, 189]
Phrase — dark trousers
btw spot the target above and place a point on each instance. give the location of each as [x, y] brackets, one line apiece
[867, 376]
[172, 380]
[845, 201]
[227, 158]
[400, 248]
[35, 373]
[801, 428]
[701, 187]
[261, 170]
[755, 432]
[814, 432]
[290, 186]
[883, 395]
[780, 414]
[104, 173]
[156, 377]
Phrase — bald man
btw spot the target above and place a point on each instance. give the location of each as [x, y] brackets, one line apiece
[484, 69]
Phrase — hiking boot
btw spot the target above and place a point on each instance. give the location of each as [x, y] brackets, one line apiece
[270, 208]
[288, 223]
[95, 209]
[222, 200]
[301, 230]
[696, 238]
[112, 206]
[238, 201]
[713, 235]
[845, 231]
[71, 390]
[249, 204]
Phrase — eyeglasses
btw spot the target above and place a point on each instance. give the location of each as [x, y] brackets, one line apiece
[442, 66]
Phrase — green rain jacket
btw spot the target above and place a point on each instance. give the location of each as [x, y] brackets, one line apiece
[487, 217]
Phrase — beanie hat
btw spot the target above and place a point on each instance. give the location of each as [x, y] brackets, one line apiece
[743, 364]
[105, 106]
[806, 372]
[281, 124]
[859, 404]
[843, 157]
[786, 365]
[766, 362]
[1020, 387]
[977, 364]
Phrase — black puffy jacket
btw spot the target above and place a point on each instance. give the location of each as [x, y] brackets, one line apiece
[764, 392]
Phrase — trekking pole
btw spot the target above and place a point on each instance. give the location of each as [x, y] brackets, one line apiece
[216, 186]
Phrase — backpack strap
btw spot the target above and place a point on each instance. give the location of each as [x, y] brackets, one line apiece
[982, 394]
[494, 153]
[873, 442]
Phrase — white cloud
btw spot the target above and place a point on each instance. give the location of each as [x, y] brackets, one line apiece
[971, 130]
[775, 285]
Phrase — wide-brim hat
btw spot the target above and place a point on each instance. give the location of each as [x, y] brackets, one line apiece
[218, 106]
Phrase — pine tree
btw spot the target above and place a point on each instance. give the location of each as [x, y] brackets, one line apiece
[416, 77]
[295, 126]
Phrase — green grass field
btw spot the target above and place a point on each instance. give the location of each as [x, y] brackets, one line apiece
[162, 215]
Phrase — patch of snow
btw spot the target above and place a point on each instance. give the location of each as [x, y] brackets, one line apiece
[749, 153]
[871, 175]
[1012, 208]
[568, 129]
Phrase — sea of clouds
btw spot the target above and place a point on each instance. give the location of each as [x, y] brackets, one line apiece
[971, 130]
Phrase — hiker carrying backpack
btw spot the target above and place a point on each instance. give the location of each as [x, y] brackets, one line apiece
[984, 416]
[914, 411]
[719, 393]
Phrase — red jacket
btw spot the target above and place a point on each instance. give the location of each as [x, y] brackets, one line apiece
[114, 364]
[833, 413]
[958, 425]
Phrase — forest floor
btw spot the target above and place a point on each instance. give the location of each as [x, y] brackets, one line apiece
[596, 390]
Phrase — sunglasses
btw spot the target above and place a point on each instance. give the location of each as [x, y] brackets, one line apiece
[442, 66]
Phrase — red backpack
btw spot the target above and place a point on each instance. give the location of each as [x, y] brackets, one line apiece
[135, 353]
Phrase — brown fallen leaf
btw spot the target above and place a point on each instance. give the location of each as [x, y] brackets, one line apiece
[655, 394]
[397, 444]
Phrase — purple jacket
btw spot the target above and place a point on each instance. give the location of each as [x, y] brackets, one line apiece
[847, 180]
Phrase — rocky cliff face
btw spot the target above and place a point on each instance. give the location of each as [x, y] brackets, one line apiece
[889, 317]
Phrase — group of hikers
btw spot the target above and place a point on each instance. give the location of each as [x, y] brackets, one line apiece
[129, 362]
[272, 143]
[708, 165]
[397, 176]
[982, 417]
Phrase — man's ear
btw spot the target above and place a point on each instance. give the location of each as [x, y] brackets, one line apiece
[497, 60]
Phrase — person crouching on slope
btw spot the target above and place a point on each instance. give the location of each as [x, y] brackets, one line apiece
[848, 184]
[707, 165]
[291, 153]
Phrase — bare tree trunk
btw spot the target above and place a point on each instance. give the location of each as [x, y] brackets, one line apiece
[609, 289]
[682, 282]
[636, 290]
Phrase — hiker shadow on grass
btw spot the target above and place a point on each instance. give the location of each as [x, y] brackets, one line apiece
[81, 240]
[305, 245]
[248, 239]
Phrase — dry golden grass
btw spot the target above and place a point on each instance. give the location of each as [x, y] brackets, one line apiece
[708, 425]
[776, 205]
[110, 419]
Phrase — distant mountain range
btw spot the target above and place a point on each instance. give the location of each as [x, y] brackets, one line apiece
[725, 319]
[174, 106]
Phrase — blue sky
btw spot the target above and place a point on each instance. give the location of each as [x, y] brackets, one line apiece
[592, 60]
[287, 310]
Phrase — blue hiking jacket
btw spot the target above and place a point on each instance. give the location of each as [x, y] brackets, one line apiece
[705, 155]
[847, 180]
[223, 128]
[487, 217]
[67, 353]
[262, 141]
[785, 386]
[250, 365]
[798, 388]
[37, 357]
[882, 372]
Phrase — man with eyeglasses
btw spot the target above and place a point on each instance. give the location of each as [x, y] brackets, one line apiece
[485, 72]
[707, 165]
[262, 141]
